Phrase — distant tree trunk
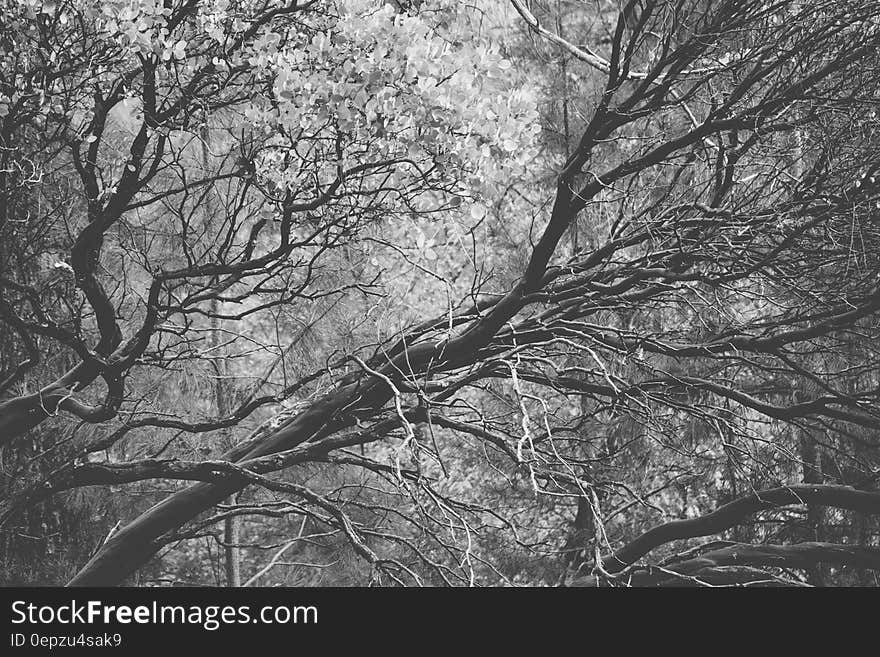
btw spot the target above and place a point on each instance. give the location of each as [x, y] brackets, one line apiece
[232, 565]
[582, 530]
[808, 451]
[223, 405]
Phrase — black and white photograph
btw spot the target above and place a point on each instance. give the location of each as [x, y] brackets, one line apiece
[355, 294]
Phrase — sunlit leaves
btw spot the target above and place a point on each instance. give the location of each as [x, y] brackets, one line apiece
[391, 80]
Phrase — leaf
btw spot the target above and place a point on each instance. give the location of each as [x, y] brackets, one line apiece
[478, 212]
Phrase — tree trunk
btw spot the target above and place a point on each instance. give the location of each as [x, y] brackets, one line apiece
[136, 543]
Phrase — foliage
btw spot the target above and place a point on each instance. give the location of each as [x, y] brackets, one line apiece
[418, 295]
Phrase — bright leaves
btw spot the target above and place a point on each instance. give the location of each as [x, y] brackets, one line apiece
[348, 87]
[373, 85]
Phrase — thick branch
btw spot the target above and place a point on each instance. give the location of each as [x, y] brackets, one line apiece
[733, 513]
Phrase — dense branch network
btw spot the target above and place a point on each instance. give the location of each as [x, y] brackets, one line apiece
[720, 308]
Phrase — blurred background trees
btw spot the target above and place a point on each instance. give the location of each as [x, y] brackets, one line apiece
[529, 293]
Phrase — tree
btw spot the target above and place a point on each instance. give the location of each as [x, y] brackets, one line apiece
[707, 338]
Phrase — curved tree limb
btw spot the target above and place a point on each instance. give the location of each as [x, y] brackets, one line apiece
[801, 555]
[729, 515]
